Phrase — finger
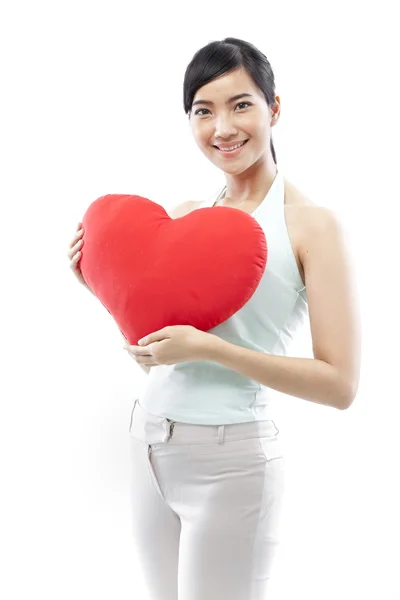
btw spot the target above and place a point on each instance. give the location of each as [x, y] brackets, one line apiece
[74, 265]
[138, 351]
[72, 255]
[76, 258]
[77, 237]
[74, 249]
[146, 361]
[156, 336]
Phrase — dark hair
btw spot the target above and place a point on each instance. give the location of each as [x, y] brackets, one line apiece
[220, 57]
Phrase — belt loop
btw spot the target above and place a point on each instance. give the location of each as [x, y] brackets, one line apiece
[171, 428]
[221, 431]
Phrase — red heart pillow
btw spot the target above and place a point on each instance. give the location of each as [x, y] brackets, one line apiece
[151, 271]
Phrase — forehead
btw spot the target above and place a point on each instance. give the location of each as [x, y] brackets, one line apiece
[228, 84]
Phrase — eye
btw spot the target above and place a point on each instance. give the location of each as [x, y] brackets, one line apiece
[248, 104]
[198, 111]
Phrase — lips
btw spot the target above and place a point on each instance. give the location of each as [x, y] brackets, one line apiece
[227, 149]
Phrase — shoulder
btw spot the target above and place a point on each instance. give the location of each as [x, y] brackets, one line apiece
[295, 198]
[300, 210]
[319, 224]
[180, 210]
[312, 220]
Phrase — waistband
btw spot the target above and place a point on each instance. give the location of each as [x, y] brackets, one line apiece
[152, 429]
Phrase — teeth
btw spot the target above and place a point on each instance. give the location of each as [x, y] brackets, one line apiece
[232, 148]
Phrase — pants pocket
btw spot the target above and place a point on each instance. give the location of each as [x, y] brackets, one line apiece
[152, 473]
[133, 409]
[271, 447]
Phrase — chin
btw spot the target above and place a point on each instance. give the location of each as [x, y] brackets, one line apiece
[234, 169]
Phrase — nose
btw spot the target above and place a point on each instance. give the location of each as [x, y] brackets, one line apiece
[224, 127]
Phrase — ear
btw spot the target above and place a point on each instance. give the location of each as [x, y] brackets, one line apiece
[275, 117]
[276, 110]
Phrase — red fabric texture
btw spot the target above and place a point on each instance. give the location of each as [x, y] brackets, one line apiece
[151, 271]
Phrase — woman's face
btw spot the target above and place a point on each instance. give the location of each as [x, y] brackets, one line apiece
[219, 120]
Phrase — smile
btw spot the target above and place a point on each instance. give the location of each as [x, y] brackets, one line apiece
[234, 150]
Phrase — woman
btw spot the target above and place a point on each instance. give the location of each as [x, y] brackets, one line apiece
[207, 461]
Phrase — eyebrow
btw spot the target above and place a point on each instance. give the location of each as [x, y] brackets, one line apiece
[209, 103]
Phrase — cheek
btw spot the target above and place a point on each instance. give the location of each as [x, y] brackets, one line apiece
[203, 143]
[203, 136]
[257, 125]
[256, 131]
[202, 131]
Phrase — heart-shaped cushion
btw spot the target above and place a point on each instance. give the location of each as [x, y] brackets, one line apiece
[151, 271]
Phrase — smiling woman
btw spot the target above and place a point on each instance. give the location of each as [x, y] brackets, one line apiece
[213, 483]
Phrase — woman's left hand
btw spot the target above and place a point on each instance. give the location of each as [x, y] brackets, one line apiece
[171, 345]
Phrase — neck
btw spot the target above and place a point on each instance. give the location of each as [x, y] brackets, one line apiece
[252, 185]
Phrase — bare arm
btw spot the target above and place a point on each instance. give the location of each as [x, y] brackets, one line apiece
[332, 376]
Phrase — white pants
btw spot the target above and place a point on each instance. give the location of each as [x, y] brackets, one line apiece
[206, 506]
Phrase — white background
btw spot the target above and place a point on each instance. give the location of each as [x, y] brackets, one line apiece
[88, 92]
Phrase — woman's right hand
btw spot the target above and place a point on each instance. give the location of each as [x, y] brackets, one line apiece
[75, 254]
